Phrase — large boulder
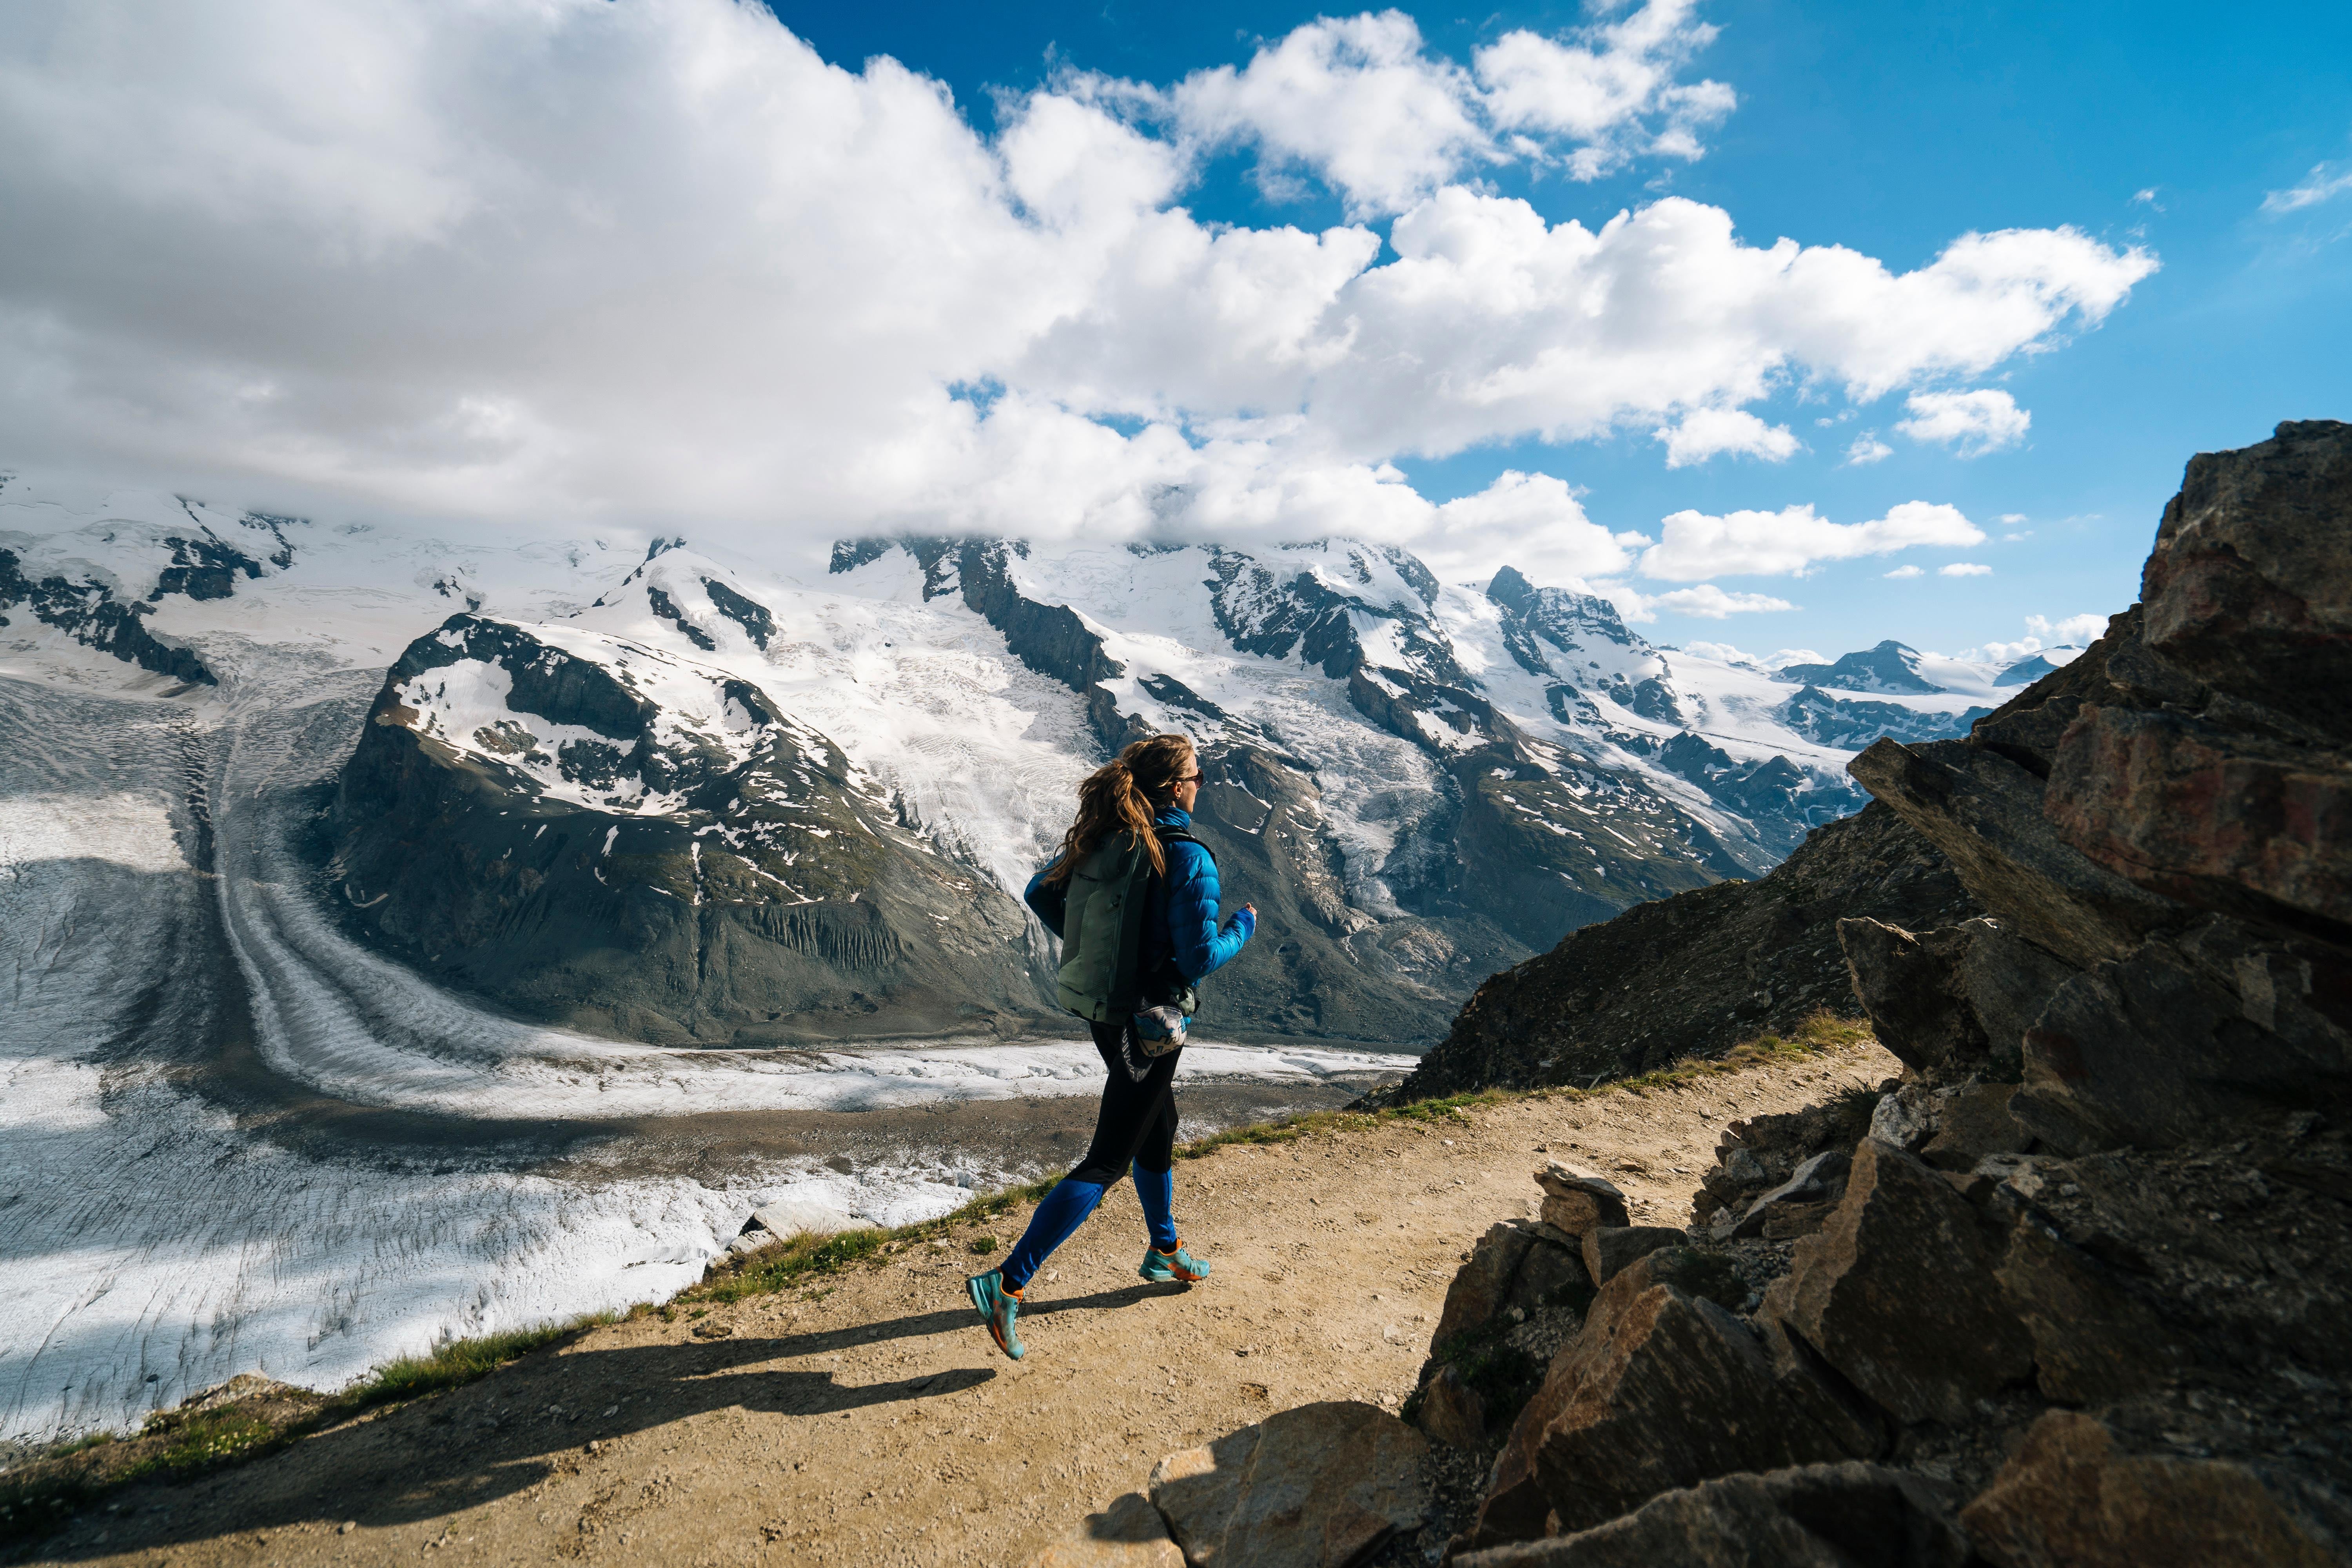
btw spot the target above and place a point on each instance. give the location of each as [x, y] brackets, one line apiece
[1577, 1200]
[1953, 1001]
[1897, 1293]
[1130, 1533]
[1321, 1486]
[1662, 1389]
[2070, 1497]
[1816, 1516]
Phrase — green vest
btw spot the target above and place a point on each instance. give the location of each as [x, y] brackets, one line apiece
[1102, 979]
[1102, 930]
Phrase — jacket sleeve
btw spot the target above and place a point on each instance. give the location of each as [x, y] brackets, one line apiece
[1049, 901]
[1192, 893]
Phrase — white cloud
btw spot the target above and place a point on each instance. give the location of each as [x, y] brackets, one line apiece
[1705, 602]
[2320, 186]
[1971, 423]
[1612, 90]
[1531, 519]
[1355, 100]
[1770, 543]
[2043, 635]
[1903, 573]
[1867, 448]
[2074, 630]
[1360, 104]
[1706, 432]
[661, 263]
[2146, 197]
[1964, 569]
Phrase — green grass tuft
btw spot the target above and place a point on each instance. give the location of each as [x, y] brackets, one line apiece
[458, 1363]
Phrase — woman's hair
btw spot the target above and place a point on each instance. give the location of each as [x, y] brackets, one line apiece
[1120, 796]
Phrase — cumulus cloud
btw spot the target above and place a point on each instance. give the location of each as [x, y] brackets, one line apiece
[661, 263]
[1964, 569]
[1867, 448]
[1707, 602]
[1971, 423]
[1612, 90]
[1706, 433]
[2073, 630]
[1360, 104]
[1532, 519]
[1904, 573]
[2043, 635]
[2322, 184]
[1794, 539]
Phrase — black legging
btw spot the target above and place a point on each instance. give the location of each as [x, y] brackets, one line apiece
[1136, 1124]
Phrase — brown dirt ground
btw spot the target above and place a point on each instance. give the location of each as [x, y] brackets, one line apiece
[868, 1420]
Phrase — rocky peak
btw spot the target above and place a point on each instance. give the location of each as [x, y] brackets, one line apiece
[1890, 666]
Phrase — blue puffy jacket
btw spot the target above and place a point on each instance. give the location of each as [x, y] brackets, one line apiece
[1182, 925]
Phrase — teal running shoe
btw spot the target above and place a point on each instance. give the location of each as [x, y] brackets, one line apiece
[1174, 1266]
[999, 1308]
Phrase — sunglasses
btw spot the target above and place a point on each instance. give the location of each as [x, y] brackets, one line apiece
[1186, 778]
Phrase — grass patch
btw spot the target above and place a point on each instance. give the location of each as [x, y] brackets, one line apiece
[458, 1363]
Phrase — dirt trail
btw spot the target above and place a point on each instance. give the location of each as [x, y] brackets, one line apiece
[878, 1425]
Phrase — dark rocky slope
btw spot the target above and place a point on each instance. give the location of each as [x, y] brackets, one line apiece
[774, 898]
[2077, 1298]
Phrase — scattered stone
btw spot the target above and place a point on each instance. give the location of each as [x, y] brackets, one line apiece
[1319, 1487]
[1577, 1201]
[1790, 1222]
[1482, 1287]
[1814, 1516]
[1450, 1412]
[1820, 1180]
[1609, 1249]
[2069, 1500]
[1130, 1533]
[1896, 1292]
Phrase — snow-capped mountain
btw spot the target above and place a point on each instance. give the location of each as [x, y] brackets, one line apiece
[712, 794]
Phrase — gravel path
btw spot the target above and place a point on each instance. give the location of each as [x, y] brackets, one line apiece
[875, 1423]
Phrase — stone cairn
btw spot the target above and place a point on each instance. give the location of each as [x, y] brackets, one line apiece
[2075, 1290]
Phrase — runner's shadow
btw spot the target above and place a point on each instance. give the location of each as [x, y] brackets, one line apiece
[1103, 1301]
[525, 1424]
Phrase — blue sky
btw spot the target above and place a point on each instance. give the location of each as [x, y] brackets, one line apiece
[1502, 287]
[1891, 128]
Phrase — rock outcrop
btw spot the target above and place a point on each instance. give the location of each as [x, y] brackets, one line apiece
[1696, 974]
[603, 837]
[2070, 1290]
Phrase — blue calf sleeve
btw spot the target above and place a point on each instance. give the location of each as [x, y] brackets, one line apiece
[1064, 1209]
[1158, 1191]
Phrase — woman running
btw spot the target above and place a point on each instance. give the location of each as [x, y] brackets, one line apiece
[1130, 971]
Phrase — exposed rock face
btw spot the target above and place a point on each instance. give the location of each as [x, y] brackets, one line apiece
[1816, 1516]
[2069, 1497]
[632, 845]
[203, 555]
[2089, 1266]
[1696, 974]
